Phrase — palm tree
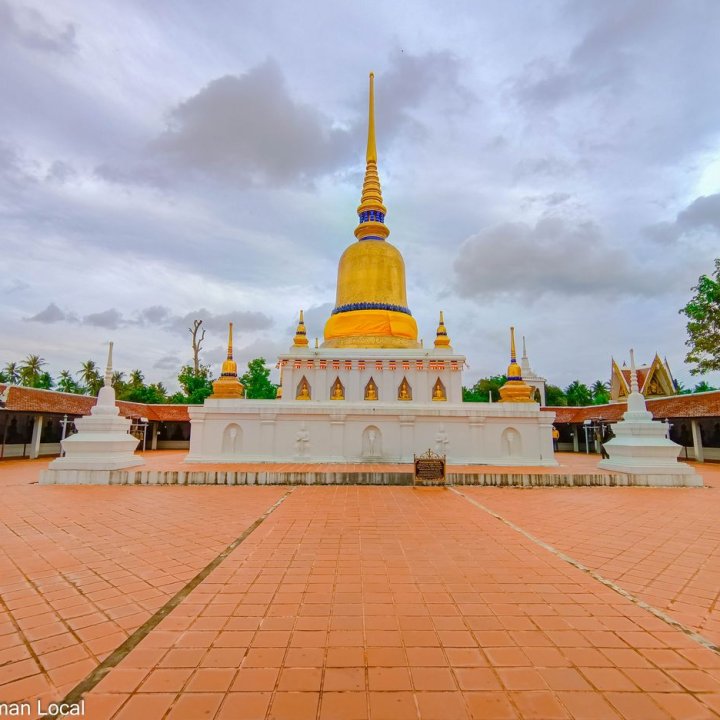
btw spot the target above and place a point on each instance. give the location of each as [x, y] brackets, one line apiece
[578, 394]
[66, 383]
[136, 378]
[12, 373]
[703, 386]
[600, 393]
[90, 375]
[31, 370]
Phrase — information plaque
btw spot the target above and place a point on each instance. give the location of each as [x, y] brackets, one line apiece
[429, 469]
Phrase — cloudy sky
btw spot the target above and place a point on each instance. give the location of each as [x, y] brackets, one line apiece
[553, 165]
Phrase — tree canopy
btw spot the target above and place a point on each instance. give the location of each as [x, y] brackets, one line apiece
[703, 328]
[256, 381]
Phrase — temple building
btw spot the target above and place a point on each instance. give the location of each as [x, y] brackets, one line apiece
[654, 380]
[371, 391]
[531, 378]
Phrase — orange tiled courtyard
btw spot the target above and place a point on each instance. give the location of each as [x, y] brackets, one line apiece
[361, 602]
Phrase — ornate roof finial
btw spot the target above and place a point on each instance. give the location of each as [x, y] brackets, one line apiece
[300, 339]
[441, 337]
[108, 369]
[371, 210]
[228, 385]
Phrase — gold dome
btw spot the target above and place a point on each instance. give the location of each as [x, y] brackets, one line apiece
[441, 337]
[371, 303]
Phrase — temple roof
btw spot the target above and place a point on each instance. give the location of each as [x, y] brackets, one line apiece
[35, 400]
[696, 405]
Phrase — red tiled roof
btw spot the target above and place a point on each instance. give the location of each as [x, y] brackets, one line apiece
[641, 375]
[24, 399]
[695, 405]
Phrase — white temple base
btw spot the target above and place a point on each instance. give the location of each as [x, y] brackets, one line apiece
[236, 430]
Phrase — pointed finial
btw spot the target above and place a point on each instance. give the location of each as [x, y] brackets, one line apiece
[300, 339]
[371, 154]
[634, 387]
[513, 354]
[317, 345]
[108, 370]
[230, 352]
[524, 348]
[371, 211]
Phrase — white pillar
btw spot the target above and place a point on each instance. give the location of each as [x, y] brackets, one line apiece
[36, 434]
[576, 439]
[697, 441]
[154, 435]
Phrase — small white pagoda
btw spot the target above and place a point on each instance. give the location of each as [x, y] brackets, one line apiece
[641, 447]
[103, 443]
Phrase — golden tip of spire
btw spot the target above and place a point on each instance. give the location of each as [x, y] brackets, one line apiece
[301, 316]
[371, 155]
[512, 342]
[442, 318]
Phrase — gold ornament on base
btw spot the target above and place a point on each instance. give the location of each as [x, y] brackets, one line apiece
[228, 385]
[515, 389]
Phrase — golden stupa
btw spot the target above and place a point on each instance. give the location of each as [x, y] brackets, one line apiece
[228, 385]
[371, 303]
[515, 389]
[300, 339]
[441, 337]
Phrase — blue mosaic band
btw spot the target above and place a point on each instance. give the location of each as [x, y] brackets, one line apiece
[371, 216]
[371, 306]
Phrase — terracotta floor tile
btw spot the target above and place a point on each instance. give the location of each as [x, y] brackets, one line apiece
[294, 706]
[345, 679]
[255, 679]
[442, 706]
[392, 706]
[211, 680]
[389, 678]
[198, 706]
[490, 706]
[477, 679]
[147, 707]
[244, 706]
[300, 679]
[165, 680]
[521, 678]
[344, 705]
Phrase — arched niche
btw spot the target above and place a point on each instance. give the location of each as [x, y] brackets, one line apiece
[371, 390]
[232, 439]
[337, 391]
[303, 390]
[438, 391]
[511, 442]
[371, 442]
[405, 390]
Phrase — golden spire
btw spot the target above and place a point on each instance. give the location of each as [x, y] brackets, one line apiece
[228, 385]
[441, 338]
[515, 389]
[371, 210]
[300, 339]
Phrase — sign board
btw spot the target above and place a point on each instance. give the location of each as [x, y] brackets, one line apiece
[429, 469]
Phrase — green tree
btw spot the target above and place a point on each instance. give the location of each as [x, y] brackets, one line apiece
[554, 396]
[31, 370]
[703, 328]
[257, 381]
[66, 383]
[196, 387]
[44, 381]
[3, 377]
[600, 393]
[480, 391]
[90, 376]
[703, 386]
[12, 373]
[578, 393]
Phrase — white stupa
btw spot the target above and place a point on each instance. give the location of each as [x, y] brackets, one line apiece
[641, 447]
[102, 443]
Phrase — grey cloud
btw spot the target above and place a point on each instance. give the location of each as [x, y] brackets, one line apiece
[29, 28]
[60, 172]
[155, 314]
[241, 320]
[110, 319]
[51, 314]
[555, 257]
[168, 362]
[249, 127]
[702, 213]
